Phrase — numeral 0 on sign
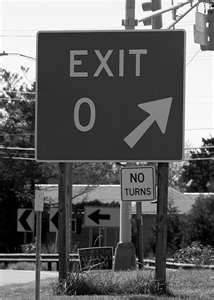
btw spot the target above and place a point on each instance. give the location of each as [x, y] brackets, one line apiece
[91, 122]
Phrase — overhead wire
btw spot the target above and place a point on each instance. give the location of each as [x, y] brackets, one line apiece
[17, 99]
[17, 36]
[193, 57]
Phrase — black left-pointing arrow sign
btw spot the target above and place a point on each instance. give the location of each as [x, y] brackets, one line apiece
[23, 220]
[96, 216]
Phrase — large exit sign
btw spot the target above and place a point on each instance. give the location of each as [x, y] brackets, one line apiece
[110, 95]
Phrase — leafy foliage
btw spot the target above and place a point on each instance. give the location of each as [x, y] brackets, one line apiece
[196, 253]
[198, 175]
[201, 221]
[177, 234]
[94, 173]
[175, 173]
[18, 173]
[176, 229]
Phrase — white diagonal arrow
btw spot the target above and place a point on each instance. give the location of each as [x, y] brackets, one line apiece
[159, 111]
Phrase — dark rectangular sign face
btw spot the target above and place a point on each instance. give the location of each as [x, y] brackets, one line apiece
[110, 95]
[99, 257]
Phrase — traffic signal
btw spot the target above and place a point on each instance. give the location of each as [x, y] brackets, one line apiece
[156, 21]
[204, 29]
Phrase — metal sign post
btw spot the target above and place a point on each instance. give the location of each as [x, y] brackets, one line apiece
[162, 205]
[38, 252]
[65, 213]
[161, 237]
[38, 207]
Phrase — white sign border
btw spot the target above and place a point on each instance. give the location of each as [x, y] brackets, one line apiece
[110, 160]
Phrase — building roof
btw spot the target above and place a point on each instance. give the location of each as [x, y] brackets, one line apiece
[112, 193]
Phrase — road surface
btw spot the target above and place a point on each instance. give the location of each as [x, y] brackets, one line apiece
[17, 276]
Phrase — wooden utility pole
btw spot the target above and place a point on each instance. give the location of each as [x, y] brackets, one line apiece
[139, 233]
[65, 198]
[156, 24]
[161, 226]
[162, 197]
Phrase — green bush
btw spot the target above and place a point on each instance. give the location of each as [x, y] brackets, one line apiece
[176, 230]
[201, 221]
[109, 283]
[196, 253]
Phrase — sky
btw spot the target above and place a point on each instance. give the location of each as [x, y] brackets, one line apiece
[21, 19]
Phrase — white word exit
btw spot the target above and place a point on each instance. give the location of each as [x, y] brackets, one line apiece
[104, 61]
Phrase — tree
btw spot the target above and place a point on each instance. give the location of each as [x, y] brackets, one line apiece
[198, 174]
[94, 173]
[201, 221]
[176, 229]
[175, 172]
[19, 172]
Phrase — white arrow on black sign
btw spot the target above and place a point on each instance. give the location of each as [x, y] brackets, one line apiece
[159, 112]
[25, 220]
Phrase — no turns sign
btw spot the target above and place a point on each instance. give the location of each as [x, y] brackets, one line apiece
[138, 184]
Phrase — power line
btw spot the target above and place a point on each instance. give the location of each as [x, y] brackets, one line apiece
[203, 158]
[203, 147]
[17, 36]
[20, 92]
[15, 134]
[17, 148]
[192, 129]
[32, 133]
[17, 99]
[17, 158]
[33, 149]
[193, 57]
[34, 159]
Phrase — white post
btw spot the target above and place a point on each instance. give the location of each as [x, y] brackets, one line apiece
[125, 222]
[38, 207]
[38, 253]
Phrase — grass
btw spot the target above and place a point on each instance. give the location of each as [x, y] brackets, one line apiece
[183, 284]
[197, 284]
[107, 283]
[26, 291]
